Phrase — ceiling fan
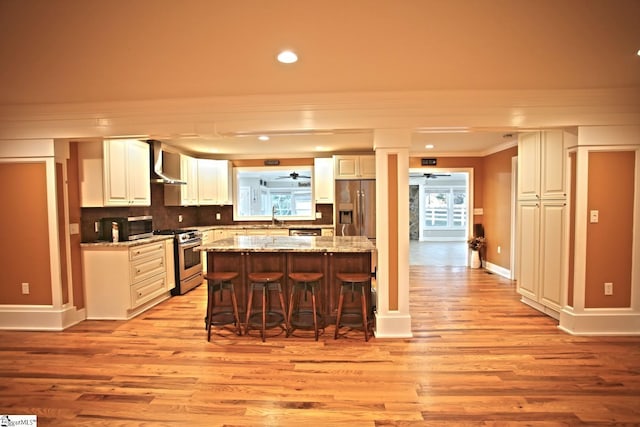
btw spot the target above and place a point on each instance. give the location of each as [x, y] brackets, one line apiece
[294, 175]
[435, 175]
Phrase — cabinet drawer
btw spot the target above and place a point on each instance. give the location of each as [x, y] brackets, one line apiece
[147, 267]
[147, 290]
[153, 249]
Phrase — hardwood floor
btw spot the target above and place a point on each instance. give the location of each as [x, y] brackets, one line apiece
[438, 254]
[478, 357]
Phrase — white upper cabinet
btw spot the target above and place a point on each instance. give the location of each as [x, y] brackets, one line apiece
[208, 182]
[542, 165]
[224, 182]
[189, 173]
[214, 182]
[114, 173]
[185, 194]
[355, 167]
[323, 179]
[553, 161]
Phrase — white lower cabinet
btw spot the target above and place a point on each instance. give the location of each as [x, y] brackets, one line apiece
[122, 281]
[207, 236]
[541, 254]
[169, 256]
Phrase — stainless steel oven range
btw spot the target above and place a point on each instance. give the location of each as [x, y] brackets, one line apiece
[188, 265]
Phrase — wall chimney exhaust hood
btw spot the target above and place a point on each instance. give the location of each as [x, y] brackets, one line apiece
[165, 165]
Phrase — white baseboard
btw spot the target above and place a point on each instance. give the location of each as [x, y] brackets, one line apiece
[600, 322]
[39, 317]
[393, 325]
[496, 269]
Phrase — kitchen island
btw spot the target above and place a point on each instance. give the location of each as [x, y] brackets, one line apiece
[328, 255]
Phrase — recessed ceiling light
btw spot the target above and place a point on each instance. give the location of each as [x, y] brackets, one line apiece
[638, 52]
[429, 146]
[263, 138]
[287, 57]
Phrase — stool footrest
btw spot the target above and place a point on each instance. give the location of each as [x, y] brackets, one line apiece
[303, 319]
[273, 319]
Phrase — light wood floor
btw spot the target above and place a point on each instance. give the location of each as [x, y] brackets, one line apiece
[438, 254]
[478, 357]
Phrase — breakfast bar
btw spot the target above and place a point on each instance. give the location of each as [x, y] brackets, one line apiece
[328, 255]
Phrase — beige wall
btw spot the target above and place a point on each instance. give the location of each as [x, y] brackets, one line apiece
[609, 242]
[496, 187]
[24, 252]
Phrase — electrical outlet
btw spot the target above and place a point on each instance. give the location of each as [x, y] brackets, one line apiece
[74, 228]
[608, 288]
[318, 215]
[179, 218]
[25, 288]
[499, 249]
[218, 216]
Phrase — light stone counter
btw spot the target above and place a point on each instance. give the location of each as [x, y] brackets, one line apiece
[126, 243]
[355, 244]
[261, 227]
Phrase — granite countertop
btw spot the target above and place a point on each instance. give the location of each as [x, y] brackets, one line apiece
[127, 243]
[260, 226]
[290, 244]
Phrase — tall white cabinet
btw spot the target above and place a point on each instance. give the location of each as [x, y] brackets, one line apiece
[542, 219]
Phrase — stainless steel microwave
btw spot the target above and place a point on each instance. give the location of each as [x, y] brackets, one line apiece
[128, 228]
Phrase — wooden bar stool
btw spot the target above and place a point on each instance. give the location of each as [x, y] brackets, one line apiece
[220, 281]
[303, 284]
[354, 283]
[266, 282]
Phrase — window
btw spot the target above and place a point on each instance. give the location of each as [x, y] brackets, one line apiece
[265, 192]
[445, 208]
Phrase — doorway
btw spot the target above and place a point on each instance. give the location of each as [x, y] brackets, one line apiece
[440, 216]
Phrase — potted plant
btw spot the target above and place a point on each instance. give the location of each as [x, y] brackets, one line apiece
[476, 244]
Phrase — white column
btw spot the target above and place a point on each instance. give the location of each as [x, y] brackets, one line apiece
[393, 319]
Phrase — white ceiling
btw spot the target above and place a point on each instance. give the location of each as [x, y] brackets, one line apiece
[202, 75]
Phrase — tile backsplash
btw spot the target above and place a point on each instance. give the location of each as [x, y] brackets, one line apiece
[165, 217]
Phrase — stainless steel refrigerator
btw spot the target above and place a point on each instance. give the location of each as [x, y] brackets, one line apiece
[356, 208]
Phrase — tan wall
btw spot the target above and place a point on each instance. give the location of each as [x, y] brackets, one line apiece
[24, 252]
[609, 242]
[497, 206]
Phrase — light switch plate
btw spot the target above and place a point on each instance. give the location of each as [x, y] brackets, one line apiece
[594, 216]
